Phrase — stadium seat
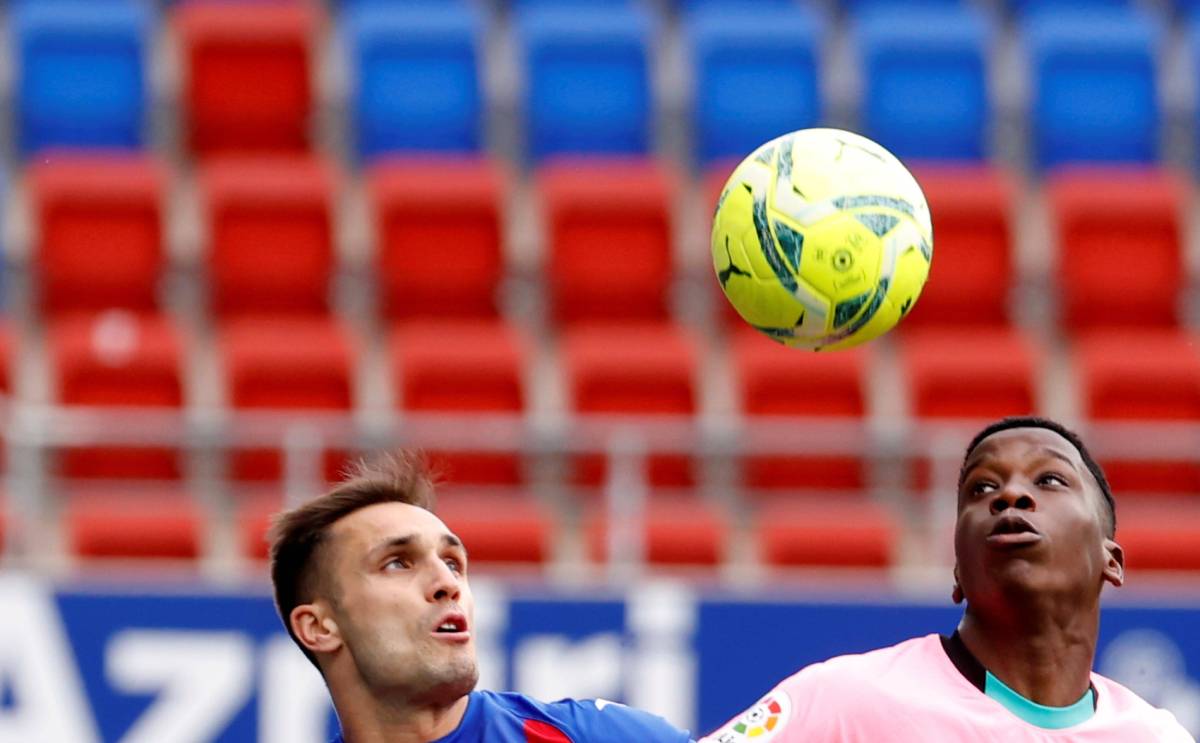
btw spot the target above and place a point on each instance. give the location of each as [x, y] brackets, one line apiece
[972, 272]
[1120, 237]
[678, 530]
[99, 221]
[608, 238]
[510, 529]
[247, 83]
[587, 78]
[911, 56]
[114, 524]
[439, 230]
[117, 359]
[8, 357]
[415, 82]
[756, 75]
[969, 373]
[775, 383]
[464, 368]
[1095, 95]
[296, 365]
[636, 370]
[81, 77]
[270, 234]
[1142, 376]
[1161, 535]
[793, 532]
[966, 375]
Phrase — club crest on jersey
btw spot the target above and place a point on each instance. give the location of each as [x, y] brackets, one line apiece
[759, 723]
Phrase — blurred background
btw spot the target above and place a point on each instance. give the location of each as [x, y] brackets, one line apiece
[246, 242]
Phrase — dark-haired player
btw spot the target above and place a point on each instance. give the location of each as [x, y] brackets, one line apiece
[1034, 546]
[373, 588]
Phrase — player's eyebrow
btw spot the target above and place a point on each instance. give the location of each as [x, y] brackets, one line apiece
[1042, 452]
[1048, 452]
[395, 543]
[450, 540]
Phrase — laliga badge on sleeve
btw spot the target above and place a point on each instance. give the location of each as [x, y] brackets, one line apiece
[758, 724]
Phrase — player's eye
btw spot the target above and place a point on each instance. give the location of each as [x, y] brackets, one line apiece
[455, 566]
[981, 487]
[1051, 478]
[397, 563]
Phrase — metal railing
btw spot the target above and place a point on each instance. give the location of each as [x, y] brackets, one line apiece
[33, 433]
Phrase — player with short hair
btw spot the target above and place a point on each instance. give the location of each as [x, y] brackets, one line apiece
[1034, 545]
[373, 588]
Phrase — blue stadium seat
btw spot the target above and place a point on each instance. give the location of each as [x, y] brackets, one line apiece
[1095, 96]
[414, 77]
[80, 74]
[755, 76]
[912, 56]
[587, 79]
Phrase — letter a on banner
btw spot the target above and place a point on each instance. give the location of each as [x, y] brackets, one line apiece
[44, 700]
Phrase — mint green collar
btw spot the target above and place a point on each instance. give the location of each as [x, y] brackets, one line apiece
[1051, 718]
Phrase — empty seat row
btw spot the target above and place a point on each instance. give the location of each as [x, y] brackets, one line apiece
[415, 80]
[439, 233]
[517, 530]
[306, 366]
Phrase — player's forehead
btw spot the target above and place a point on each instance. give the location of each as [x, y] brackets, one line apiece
[358, 533]
[1019, 446]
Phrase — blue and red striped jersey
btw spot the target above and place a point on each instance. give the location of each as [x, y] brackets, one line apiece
[494, 717]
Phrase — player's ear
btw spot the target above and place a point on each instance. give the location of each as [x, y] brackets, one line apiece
[957, 594]
[315, 627]
[1114, 563]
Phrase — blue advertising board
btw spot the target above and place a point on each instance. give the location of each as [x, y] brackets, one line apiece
[188, 665]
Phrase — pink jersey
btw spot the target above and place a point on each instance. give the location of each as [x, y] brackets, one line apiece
[913, 693]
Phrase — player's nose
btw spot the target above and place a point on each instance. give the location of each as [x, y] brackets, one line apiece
[1013, 495]
[443, 583]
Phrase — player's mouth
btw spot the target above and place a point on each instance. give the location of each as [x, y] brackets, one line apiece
[1012, 531]
[452, 627]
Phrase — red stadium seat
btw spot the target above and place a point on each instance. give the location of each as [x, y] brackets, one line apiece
[608, 239]
[99, 224]
[636, 370]
[969, 373]
[963, 374]
[146, 526]
[270, 232]
[8, 355]
[1139, 376]
[117, 359]
[823, 533]
[247, 75]
[438, 231]
[1120, 246]
[1160, 534]
[463, 367]
[254, 516]
[297, 365]
[778, 382]
[678, 530]
[972, 272]
[498, 528]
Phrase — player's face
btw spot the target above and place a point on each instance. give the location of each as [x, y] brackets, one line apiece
[1030, 516]
[402, 602]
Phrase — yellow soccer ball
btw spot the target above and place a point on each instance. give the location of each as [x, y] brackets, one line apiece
[822, 239]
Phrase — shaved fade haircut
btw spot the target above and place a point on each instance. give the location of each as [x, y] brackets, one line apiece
[1031, 421]
[297, 536]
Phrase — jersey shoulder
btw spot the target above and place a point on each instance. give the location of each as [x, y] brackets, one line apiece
[1124, 703]
[584, 720]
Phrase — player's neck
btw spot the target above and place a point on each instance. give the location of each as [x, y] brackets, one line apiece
[383, 721]
[1045, 656]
